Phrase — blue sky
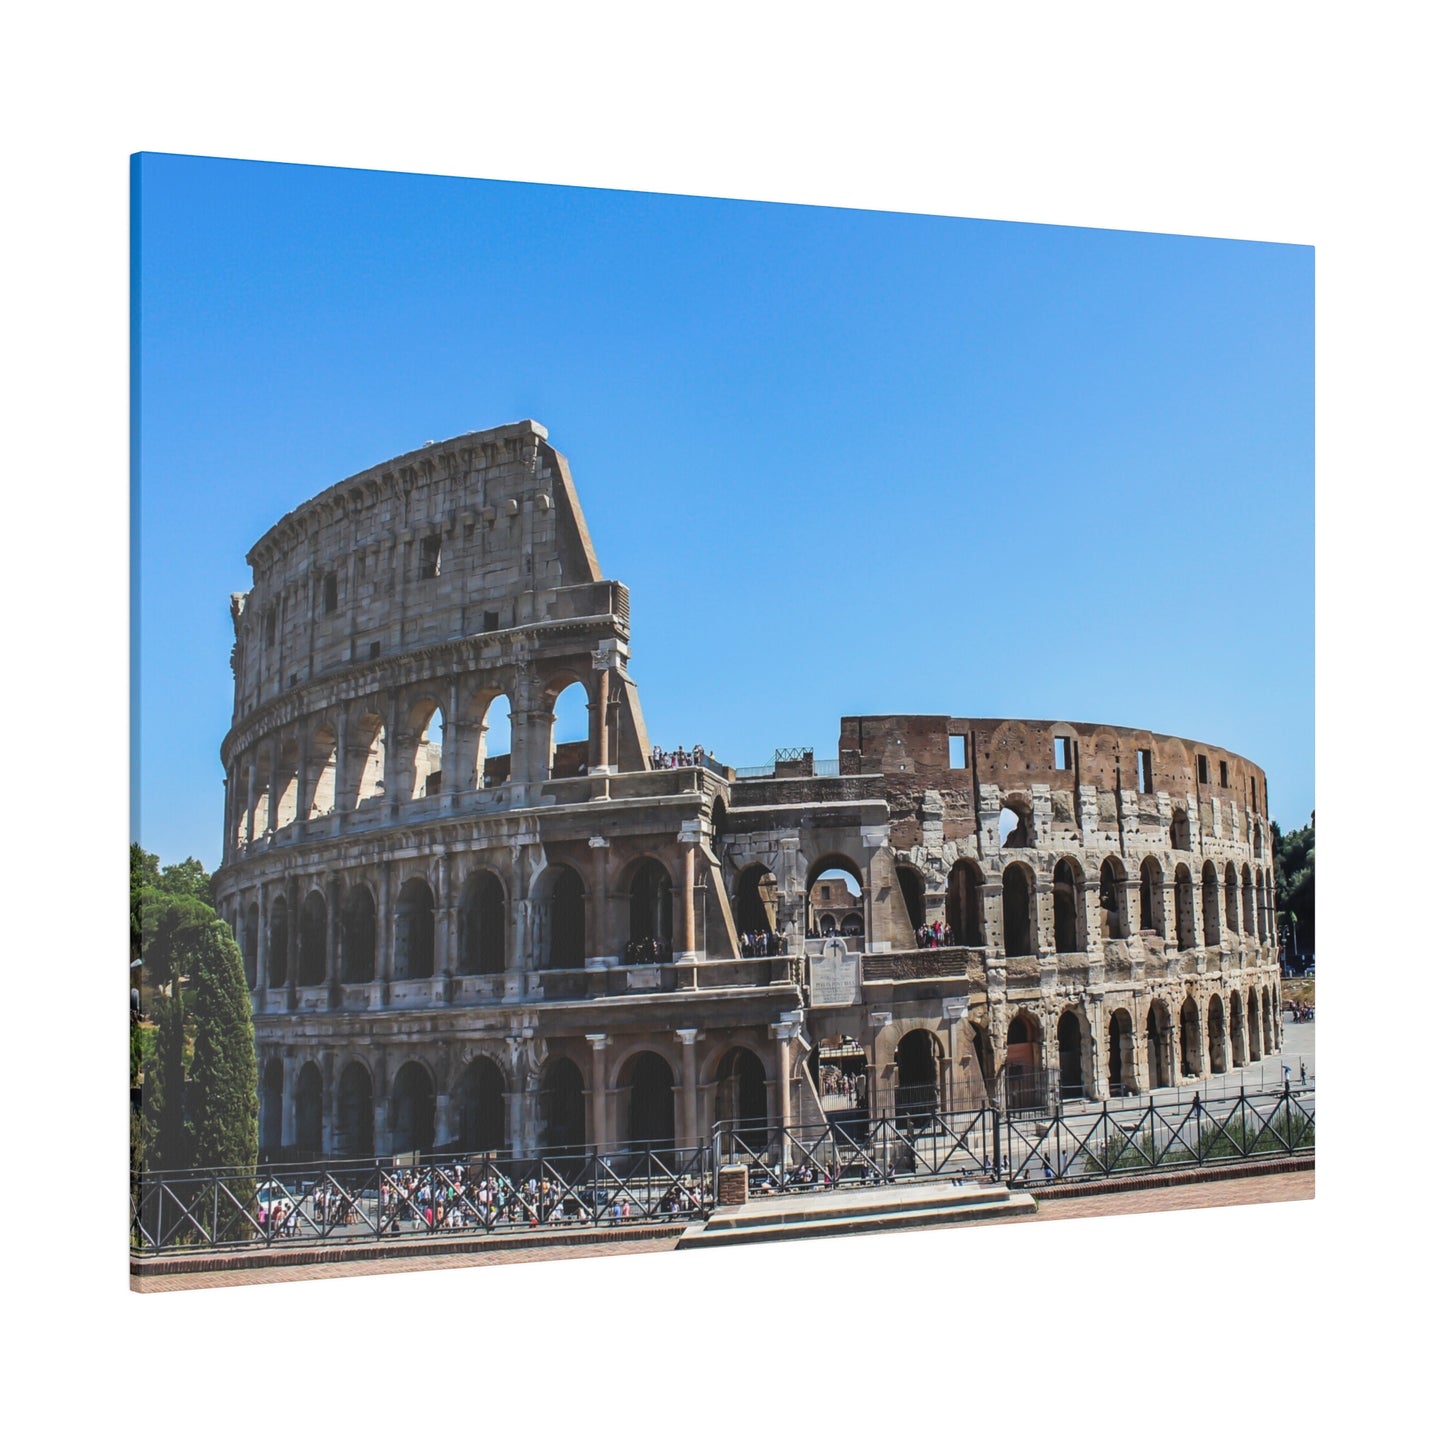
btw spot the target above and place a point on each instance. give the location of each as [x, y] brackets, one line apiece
[847, 462]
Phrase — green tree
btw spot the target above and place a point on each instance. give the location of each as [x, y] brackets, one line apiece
[1294, 883]
[223, 1067]
[187, 880]
[145, 872]
[166, 1136]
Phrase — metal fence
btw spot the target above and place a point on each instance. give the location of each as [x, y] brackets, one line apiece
[369, 1200]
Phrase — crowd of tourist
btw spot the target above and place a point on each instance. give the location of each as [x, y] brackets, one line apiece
[679, 757]
[834, 1083]
[763, 943]
[848, 930]
[647, 950]
[934, 935]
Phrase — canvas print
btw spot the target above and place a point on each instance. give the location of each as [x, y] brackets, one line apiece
[670, 723]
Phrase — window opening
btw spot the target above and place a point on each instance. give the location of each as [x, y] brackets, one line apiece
[328, 592]
[1146, 771]
[1202, 767]
[430, 564]
[1062, 759]
[1223, 773]
[957, 752]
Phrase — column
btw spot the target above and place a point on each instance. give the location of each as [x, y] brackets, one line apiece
[688, 1040]
[345, 787]
[599, 1091]
[873, 838]
[783, 1032]
[288, 1104]
[328, 1104]
[263, 940]
[249, 831]
[598, 954]
[391, 764]
[333, 938]
[384, 931]
[601, 753]
[445, 944]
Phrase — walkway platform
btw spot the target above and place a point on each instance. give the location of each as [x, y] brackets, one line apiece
[817, 1214]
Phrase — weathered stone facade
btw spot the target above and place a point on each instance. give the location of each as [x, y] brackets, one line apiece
[443, 945]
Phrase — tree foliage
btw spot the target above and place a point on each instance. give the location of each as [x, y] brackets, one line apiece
[223, 1068]
[1294, 883]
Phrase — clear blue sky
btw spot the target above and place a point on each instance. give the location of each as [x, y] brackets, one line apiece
[847, 462]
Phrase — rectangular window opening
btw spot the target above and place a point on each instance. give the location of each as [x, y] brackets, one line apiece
[1223, 773]
[329, 592]
[430, 563]
[957, 752]
[1202, 767]
[1062, 756]
[491, 621]
[374, 650]
[1146, 770]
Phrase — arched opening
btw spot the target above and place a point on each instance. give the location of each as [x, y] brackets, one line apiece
[1183, 907]
[1151, 896]
[1253, 1008]
[277, 942]
[321, 763]
[250, 935]
[1209, 887]
[838, 875]
[1071, 1056]
[422, 744]
[1191, 1060]
[964, 903]
[311, 953]
[567, 752]
[1218, 1054]
[1161, 1052]
[910, 883]
[1113, 900]
[1025, 1084]
[482, 925]
[1015, 824]
[647, 1082]
[917, 1058]
[564, 919]
[413, 1110]
[1179, 831]
[1237, 1052]
[1068, 887]
[272, 1091]
[563, 1106]
[649, 937]
[828, 924]
[358, 936]
[484, 740]
[755, 900]
[308, 1111]
[370, 754]
[1123, 1075]
[1231, 898]
[742, 1100]
[851, 925]
[355, 1114]
[482, 1108]
[415, 931]
[1018, 911]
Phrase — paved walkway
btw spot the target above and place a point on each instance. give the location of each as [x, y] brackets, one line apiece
[1261, 1189]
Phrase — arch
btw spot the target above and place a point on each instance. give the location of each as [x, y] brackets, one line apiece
[917, 1059]
[1113, 900]
[1184, 907]
[1159, 1028]
[1246, 893]
[910, 884]
[414, 950]
[321, 767]
[308, 1111]
[355, 1113]
[1123, 1068]
[830, 863]
[567, 747]
[649, 914]
[484, 740]
[421, 748]
[827, 923]
[1019, 917]
[647, 1079]
[1016, 822]
[1252, 1009]
[1070, 1038]
[1069, 937]
[562, 1107]
[563, 917]
[311, 946]
[1151, 896]
[742, 1099]
[413, 1109]
[964, 902]
[1231, 898]
[358, 936]
[1209, 889]
[1237, 1052]
[1179, 831]
[852, 925]
[250, 936]
[369, 752]
[273, 1079]
[1218, 1048]
[482, 925]
[278, 941]
[1191, 1059]
[481, 1103]
[755, 898]
[1025, 1085]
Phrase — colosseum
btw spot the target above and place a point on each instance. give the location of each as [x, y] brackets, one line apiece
[588, 942]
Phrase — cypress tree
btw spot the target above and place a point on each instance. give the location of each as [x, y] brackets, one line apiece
[224, 1106]
[164, 1093]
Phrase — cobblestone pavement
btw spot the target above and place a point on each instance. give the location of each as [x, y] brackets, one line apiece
[1262, 1189]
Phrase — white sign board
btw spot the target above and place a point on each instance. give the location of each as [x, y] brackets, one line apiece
[835, 977]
